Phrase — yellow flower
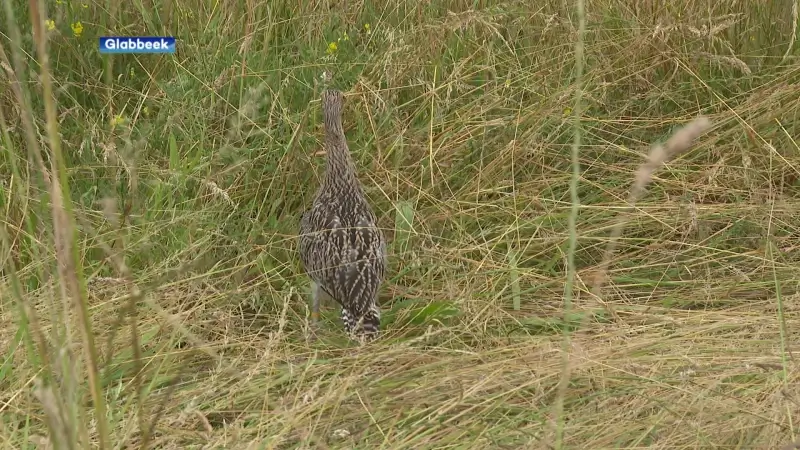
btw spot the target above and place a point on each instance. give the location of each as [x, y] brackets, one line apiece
[332, 47]
[77, 29]
[366, 28]
[508, 83]
[50, 24]
[146, 111]
[567, 111]
[117, 120]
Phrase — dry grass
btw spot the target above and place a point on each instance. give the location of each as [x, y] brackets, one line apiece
[656, 378]
[151, 294]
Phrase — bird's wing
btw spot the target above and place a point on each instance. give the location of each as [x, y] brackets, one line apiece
[361, 267]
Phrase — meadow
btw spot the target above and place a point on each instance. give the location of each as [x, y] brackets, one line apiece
[150, 290]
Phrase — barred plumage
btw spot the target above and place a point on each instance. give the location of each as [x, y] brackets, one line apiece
[341, 247]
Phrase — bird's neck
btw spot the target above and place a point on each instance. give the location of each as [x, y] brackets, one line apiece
[339, 165]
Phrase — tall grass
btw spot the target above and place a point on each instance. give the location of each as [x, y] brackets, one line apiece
[150, 204]
[573, 217]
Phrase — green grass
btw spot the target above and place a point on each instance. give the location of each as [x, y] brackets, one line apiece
[159, 302]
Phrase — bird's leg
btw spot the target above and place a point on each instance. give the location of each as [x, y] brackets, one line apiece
[316, 296]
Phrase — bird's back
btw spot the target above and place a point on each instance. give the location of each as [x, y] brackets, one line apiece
[342, 247]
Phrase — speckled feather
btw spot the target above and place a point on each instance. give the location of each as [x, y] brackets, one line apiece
[341, 247]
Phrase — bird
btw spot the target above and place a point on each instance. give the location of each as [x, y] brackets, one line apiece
[341, 247]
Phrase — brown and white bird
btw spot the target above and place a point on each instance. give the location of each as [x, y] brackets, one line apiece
[341, 247]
